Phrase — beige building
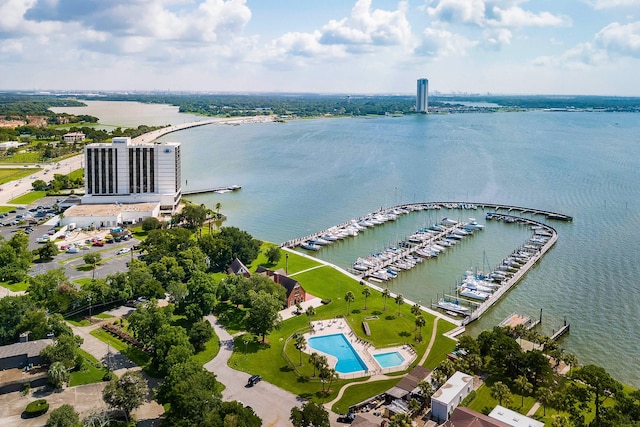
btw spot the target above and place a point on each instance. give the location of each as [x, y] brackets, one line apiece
[109, 215]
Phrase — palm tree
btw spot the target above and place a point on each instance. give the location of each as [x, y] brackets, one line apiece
[385, 294]
[523, 386]
[501, 392]
[545, 397]
[367, 293]
[570, 359]
[399, 301]
[400, 420]
[420, 322]
[426, 390]
[310, 312]
[314, 360]
[218, 206]
[349, 298]
[58, 374]
[415, 309]
[300, 344]
[413, 406]
[331, 376]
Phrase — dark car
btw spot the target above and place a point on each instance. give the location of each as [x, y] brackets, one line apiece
[253, 380]
[346, 418]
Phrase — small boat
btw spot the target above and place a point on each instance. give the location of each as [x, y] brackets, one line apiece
[470, 293]
[452, 306]
[310, 246]
[473, 224]
[447, 221]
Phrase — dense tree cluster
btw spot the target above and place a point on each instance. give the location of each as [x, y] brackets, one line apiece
[194, 398]
[15, 257]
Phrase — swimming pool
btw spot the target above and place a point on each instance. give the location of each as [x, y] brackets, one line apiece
[338, 346]
[389, 360]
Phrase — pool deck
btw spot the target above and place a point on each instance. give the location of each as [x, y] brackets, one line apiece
[364, 349]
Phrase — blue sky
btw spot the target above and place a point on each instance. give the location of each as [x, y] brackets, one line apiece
[326, 46]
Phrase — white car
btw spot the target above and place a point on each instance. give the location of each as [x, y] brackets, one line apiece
[123, 251]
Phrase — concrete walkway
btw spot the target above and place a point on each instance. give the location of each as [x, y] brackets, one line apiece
[269, 402]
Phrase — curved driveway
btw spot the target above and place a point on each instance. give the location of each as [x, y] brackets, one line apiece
[269, 402]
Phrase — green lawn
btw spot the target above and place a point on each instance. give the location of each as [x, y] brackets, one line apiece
[137, 356]
[15, 287]
[78, 173]
[484, 403]
[28, 198]
[279, 364]
[7, 175]
[28, 157]
[83, 280]
[360, 392]
[91, 372]
[211, 350]
[103, 316]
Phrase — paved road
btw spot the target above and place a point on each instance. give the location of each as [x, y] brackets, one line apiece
[269, 402]
[13, 189]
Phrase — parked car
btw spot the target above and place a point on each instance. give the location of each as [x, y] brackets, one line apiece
[73, 250]
[253, 380]
[346, 418]
[123, 251]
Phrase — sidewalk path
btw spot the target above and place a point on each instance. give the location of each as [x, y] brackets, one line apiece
[269, 402]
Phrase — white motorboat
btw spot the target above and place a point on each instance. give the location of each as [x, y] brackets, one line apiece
[470, 293]
[453, 306]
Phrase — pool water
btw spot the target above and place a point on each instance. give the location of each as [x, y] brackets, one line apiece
[338, 346]
[389, 360]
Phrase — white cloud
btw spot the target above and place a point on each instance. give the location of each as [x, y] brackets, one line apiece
[459, 11]
[580, 57]
[366, 27]
[497, 37]
[614, 40]
[440, 43]
[609, 4]
[364, 31]
[620, 39]
[518, 17]
[497, 13]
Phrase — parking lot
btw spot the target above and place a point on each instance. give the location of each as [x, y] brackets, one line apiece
[73, 244]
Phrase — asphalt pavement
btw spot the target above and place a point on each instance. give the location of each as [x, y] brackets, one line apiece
[269, 402]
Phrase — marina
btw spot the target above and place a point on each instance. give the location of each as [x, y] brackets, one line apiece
[477, 292]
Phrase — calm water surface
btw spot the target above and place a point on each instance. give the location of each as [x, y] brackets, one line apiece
[308, 175]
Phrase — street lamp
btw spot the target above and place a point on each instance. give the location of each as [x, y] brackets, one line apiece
[246, 343]
[89, 298]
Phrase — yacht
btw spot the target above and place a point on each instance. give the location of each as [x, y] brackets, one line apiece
[470, 293]
[310, 246]
[453, 306]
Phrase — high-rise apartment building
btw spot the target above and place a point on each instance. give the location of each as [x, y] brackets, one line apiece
[123, 172]
[422, 96]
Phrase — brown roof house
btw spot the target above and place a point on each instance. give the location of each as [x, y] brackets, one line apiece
[295, 292]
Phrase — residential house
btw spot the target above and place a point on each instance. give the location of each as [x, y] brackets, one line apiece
[295, 292]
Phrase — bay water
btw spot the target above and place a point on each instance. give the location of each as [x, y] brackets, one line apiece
[307, 175]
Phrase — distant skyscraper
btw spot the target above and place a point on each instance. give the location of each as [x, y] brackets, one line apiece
[422, 97]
